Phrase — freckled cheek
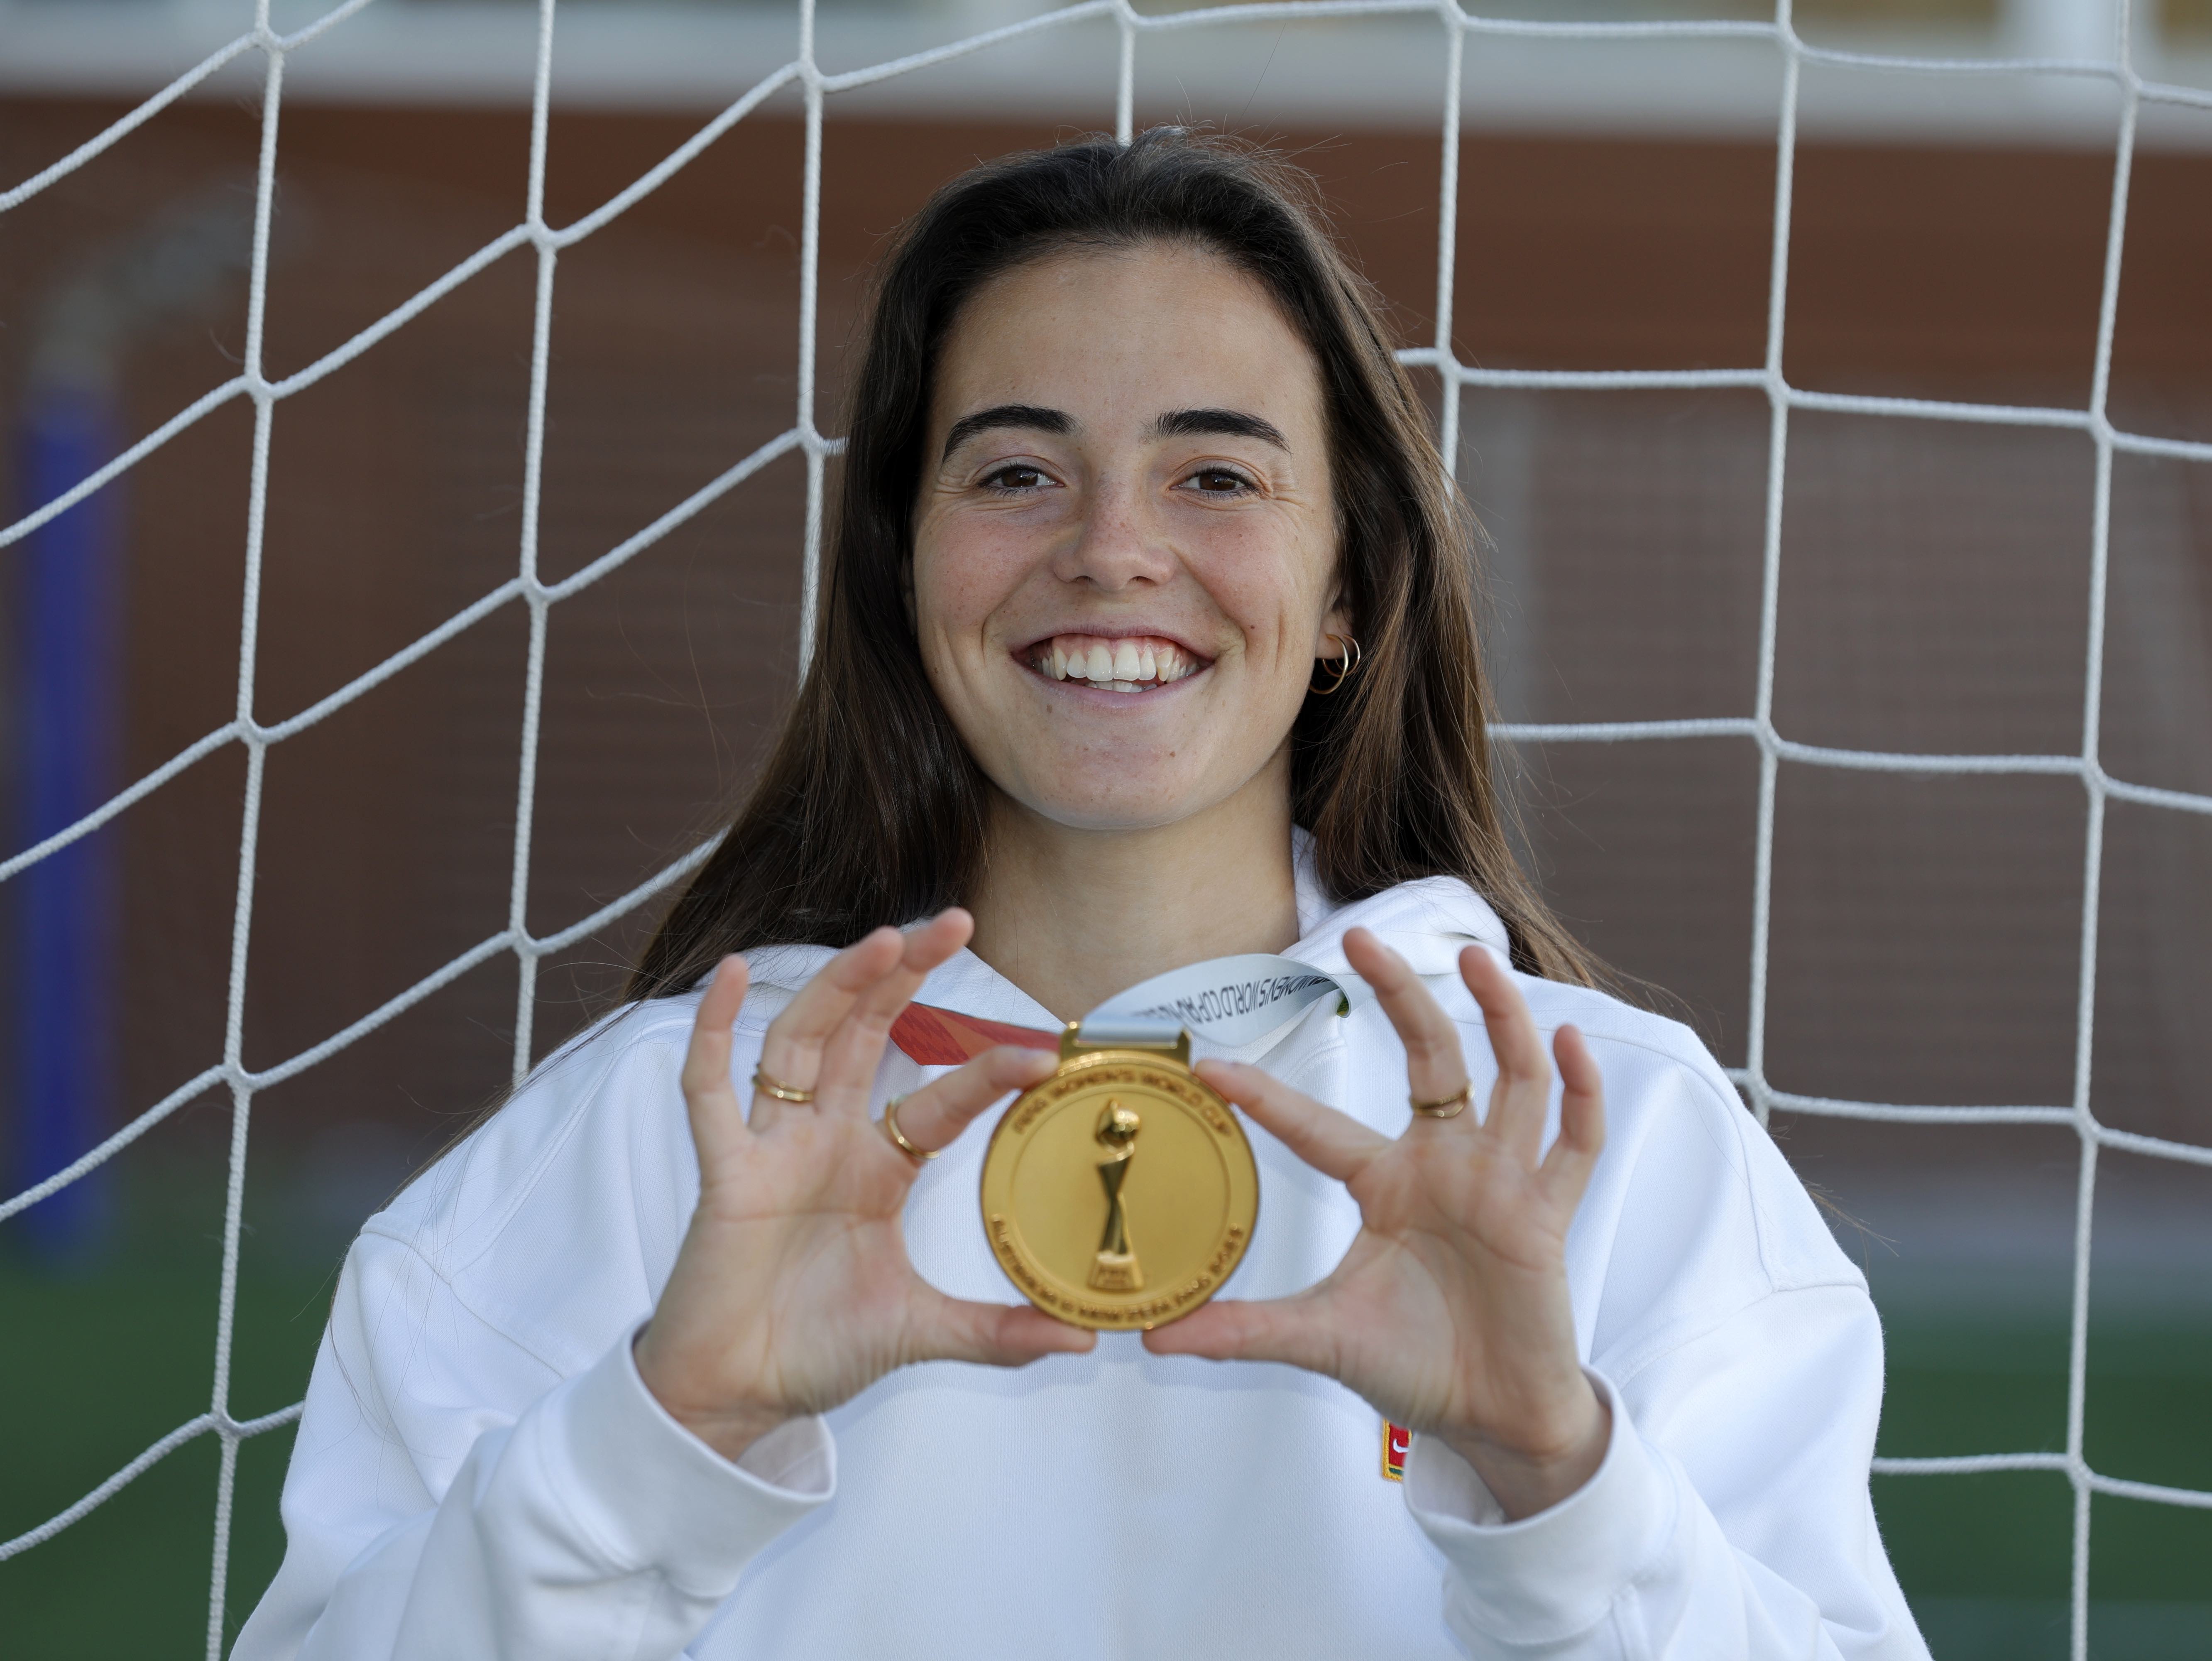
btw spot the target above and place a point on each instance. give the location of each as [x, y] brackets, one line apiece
[963, 579]
[1266, 584]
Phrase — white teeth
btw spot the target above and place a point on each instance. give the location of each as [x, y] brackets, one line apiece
[1127, 665]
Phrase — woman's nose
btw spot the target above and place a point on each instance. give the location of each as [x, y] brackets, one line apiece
[1120, 542]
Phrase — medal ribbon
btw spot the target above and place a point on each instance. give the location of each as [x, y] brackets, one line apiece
[1227, 1001]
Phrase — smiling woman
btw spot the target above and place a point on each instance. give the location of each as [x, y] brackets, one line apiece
[642, 1368]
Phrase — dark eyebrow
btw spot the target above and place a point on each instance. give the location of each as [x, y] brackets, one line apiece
[1032, 415]
[1196, 423]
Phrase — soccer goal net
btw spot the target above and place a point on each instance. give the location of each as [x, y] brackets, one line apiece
[255, 730]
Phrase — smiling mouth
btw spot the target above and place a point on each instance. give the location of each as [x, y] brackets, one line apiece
[1134, 663]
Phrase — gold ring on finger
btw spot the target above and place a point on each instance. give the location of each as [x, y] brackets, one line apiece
[767, 1083]
[890, 1123]
[1447, 1107]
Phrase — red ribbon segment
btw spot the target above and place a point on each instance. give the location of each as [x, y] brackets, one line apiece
[945, 1037]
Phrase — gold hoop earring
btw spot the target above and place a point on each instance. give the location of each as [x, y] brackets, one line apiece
[1340, 667]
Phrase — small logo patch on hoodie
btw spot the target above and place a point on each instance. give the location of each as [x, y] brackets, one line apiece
[1397, 1443]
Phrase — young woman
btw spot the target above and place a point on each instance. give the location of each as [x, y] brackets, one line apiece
[1148, 639]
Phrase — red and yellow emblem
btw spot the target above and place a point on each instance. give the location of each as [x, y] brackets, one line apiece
[1397, 1443]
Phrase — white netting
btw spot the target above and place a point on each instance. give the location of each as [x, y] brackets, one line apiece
[255, 736]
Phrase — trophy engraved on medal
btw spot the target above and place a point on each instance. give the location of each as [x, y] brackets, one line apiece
[1066, 1143]
[1114, 1269]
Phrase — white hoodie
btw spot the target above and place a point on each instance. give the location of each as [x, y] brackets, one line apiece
[480, 1474]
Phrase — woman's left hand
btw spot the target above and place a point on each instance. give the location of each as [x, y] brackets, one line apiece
[1450, 1313]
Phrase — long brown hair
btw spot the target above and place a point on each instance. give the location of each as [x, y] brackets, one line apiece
[871, 811]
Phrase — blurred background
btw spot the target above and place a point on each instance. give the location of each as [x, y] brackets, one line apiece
[1615, 212]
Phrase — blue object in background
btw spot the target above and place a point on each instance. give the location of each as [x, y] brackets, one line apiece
[68, 697]
[67, 701]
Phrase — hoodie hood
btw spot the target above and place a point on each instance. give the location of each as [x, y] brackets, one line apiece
[1426, 921]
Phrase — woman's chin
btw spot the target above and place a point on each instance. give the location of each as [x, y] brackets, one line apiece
[1089, 808]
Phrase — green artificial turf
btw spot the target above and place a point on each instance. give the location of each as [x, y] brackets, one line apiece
[104, 1356]
[100, 1363]
[1987, 1560]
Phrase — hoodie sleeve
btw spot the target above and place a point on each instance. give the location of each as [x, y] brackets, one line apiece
[1742, 1358]
[452, 1495]
[1729, 1518]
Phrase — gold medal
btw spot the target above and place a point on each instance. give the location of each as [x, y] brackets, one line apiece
[1120, 1193]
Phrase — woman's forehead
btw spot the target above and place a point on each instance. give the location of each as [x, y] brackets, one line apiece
[1134, 332]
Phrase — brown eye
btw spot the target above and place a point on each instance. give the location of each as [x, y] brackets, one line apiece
[1219, 481]
[1016, 478]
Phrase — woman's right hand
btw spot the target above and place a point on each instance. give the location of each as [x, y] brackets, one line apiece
[792, 1291]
